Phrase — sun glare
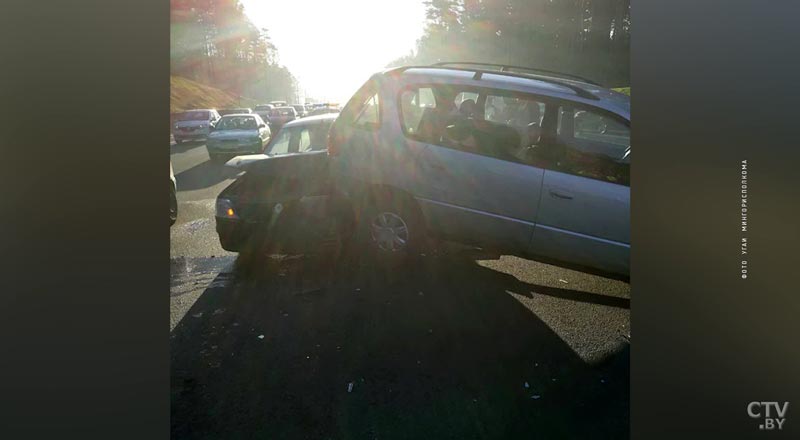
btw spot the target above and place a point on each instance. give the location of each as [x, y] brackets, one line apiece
[332, 47]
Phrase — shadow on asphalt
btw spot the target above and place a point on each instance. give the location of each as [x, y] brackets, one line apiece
[186, 146]
[437, 351]
[204, 175]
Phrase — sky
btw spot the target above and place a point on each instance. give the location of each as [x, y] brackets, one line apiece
[333, 46]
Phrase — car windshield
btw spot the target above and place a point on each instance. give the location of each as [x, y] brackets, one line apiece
[192, 116]
[237, 123]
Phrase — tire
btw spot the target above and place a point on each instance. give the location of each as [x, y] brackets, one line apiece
[173, 205]
[390, 229]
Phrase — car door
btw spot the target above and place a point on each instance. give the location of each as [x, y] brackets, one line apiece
[473, 184]
[584, 213]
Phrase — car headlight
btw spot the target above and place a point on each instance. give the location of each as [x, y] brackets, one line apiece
[225, 209]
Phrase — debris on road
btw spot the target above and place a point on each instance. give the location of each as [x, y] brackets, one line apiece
[260, 336]
[198, 315]
[536, 397]
[219, 311]
[563, 281]
[350, 387]
[527, 385]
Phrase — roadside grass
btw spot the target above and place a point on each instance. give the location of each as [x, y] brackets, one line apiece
[185, 94]
[625, 90]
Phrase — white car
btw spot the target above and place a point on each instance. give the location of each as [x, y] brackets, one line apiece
[193, 124]
[237, 134]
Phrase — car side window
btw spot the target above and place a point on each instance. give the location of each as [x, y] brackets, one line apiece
[488, 122]
[304, 142]
[281, 143]
[593, 144]
[369, 116]
[414, 104]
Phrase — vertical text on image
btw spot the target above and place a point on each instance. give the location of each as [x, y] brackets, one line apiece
[743, 237]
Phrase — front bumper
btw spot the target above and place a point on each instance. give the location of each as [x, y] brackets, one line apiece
[301, 224]
[235, 148]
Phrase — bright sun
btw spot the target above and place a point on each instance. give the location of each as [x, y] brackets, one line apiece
[332, 47]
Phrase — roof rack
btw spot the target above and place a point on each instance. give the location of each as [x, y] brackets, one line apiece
[479, 73]
[508, 68]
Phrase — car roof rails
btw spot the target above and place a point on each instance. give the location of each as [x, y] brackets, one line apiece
[509, 68]
[583, 93]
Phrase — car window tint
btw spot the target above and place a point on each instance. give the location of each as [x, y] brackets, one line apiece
[593, 145]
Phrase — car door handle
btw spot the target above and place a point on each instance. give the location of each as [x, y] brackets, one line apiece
[560, 195]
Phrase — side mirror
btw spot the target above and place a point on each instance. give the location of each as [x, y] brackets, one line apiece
[262, 125]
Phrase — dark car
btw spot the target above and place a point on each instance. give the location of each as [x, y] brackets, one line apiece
[263, 111]
[281, 201]
[281, 115]
[232, 111]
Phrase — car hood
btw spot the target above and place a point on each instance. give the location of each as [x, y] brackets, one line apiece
[232, 134]
[279, 178]
[285, 162]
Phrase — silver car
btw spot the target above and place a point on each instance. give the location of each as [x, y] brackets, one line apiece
[525, 162]
[193, 124]
[237, 134]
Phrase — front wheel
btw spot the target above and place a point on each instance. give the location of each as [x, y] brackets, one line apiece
[391, 228]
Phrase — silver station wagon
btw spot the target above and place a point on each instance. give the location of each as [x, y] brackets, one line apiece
[522, 161]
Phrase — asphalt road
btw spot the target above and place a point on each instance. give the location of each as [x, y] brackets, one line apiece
[464, 345]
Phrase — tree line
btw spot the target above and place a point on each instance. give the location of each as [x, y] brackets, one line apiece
[590, 38]
[215, 43]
